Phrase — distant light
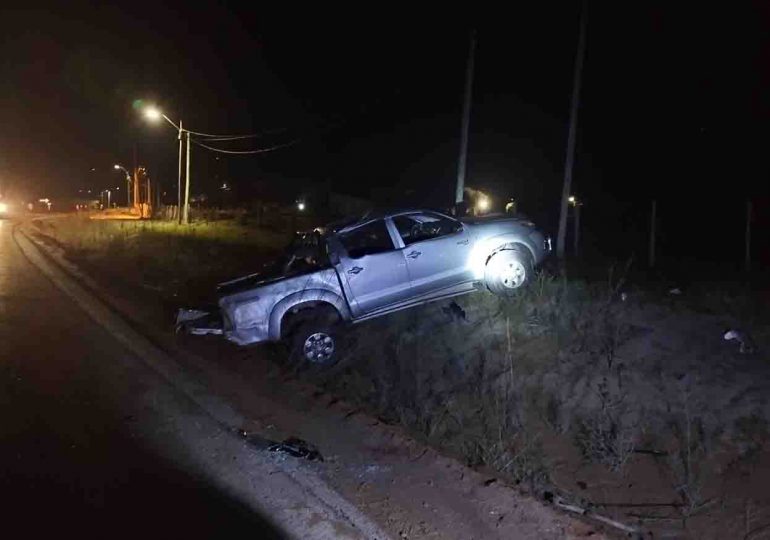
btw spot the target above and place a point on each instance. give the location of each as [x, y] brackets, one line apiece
[571, 199]
[44, 200]
[482, 205]
[152, 113]
[300, 206]
[3, 208]
[116, 166]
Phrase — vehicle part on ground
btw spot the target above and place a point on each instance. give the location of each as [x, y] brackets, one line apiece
[507, 271]
[198, 322]
[744, 340]
[298, 448]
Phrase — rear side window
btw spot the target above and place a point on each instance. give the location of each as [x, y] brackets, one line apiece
[418, 227]
[370, 239]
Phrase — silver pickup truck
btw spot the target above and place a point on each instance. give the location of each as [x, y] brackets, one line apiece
[371, 266]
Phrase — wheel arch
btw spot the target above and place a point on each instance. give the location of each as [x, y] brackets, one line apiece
[300, 302]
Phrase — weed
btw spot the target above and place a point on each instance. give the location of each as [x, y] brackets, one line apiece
[601, 435]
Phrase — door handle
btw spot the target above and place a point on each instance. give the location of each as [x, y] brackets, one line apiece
[414, 254]
[355, 270]
[463, 242]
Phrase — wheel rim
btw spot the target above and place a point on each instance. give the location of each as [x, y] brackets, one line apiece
[512, 274]
[319, 348]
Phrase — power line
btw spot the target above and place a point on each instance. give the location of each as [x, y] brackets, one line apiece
[257, 151]
[252, 136]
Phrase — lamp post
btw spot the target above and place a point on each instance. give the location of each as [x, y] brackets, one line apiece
[153, 114]
[128, 183]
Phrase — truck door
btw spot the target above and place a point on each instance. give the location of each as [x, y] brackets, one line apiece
[372, 271]
[436, 248]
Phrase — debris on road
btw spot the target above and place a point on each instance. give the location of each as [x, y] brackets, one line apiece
[746, 343]
[198, 322]
[296, 447]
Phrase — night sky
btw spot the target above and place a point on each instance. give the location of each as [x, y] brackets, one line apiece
[675, 105]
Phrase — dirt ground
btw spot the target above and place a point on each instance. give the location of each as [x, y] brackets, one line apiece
[621, 401]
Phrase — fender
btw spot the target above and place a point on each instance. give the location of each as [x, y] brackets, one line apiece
[308, 296]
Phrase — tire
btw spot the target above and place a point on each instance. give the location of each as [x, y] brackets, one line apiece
[314, 340]
[508, 271]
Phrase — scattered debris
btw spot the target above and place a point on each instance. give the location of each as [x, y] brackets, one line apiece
[198, 322]
[746, 343]
[296, 447]
[455, 312]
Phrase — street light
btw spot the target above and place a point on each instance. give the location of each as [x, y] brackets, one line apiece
[300, 206]
[482, 204]
[154, 114]
[128, 183]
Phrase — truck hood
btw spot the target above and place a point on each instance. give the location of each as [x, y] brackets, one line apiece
[492, 226]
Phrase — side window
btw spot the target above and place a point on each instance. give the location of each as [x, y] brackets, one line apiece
[367, 240]
[418, 227]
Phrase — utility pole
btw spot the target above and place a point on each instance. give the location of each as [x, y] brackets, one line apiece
[653, 220]
[572, 134]
[185, 214]
[461, 164]
[179, 179]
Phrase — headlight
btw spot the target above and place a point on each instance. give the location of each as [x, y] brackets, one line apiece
[3, 208]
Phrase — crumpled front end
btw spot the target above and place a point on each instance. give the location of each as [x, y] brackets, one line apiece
[245, 318]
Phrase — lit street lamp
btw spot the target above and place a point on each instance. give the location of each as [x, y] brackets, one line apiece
[154, 114]
[128, 183]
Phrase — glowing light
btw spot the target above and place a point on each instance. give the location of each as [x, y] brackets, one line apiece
[300, 206]
[482, 205]
[152, 113]
[116, 166]
[3, 208]
[572, 199]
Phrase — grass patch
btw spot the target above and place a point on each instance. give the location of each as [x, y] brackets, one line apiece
[181, 263]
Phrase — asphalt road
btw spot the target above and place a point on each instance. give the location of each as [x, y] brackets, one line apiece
[94, 442]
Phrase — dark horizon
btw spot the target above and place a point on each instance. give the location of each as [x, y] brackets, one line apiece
[673, 107]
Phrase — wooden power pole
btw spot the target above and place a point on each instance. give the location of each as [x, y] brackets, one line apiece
[571, 136]
[462, 161]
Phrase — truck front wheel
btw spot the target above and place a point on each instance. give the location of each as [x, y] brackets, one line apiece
[507, 271]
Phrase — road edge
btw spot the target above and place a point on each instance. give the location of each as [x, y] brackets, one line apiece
[87, 297]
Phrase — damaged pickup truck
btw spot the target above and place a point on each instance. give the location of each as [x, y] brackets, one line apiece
[368, 267]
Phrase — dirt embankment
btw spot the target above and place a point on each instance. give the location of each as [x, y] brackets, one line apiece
[631, 406]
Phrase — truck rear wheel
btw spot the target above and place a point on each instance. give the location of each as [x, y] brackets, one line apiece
[315, 340]
[507, 271]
